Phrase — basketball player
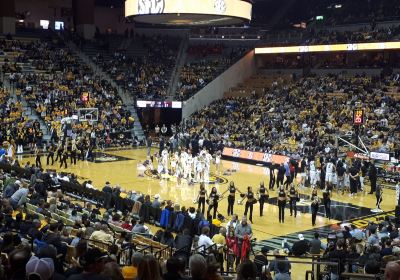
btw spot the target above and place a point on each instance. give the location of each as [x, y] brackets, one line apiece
[207, 164]
[313, 173]
[164, 160]
[189, 168]
[330, 169]
[218, 163]
[36, 151]
[378, 195]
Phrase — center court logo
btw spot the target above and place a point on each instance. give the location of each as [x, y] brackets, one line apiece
[151, 7]
[214, 179]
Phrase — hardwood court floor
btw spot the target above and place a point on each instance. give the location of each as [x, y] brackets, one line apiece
[120, 167]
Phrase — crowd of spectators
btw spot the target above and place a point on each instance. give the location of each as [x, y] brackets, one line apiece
[56, 90]
[146, 76]
[303, 116]
[206, 62]
[45, 231]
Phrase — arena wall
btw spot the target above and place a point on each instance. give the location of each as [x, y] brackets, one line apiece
[215, 90]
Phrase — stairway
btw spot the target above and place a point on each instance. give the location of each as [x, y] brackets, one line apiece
[28, 111]
[127, 99]
[176, 73]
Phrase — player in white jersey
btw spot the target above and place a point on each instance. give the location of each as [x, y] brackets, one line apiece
[178, 172]
[164, 159]
[313, 173]
[160, 167]
[199, 169]
[207, 164]
[330, 169]
[174, 162]
[218, 162]
[189, 168]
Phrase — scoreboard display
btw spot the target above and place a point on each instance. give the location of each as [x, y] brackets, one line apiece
[358, 116]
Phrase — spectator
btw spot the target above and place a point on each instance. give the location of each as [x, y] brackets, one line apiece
[93, 265]
[130, 272]
[197, 267]
[148, 268]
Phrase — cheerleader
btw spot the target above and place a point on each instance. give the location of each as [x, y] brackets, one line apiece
[231, 197]
[326, 199]
[251, 200]
[201, 198]
[213, 202]
[36, 151]
[64, 156]
[314, 206]
[281, 203]
[59, 151]
[293, 197]
[264, 195]
[218, 163]
[50, 155]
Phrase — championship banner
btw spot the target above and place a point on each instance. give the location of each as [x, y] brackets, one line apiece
[254, 156]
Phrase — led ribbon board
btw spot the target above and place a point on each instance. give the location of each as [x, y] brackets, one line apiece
[330, 48]
[188, 12]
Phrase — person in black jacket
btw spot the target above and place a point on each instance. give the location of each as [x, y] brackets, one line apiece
[281, 175]
[372, 177]
[183, 243]
[272, 176]
[107, 191]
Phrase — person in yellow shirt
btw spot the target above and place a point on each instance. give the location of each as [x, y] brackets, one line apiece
[220, 240]
[130, 272]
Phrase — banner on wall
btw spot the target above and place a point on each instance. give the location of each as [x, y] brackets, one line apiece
[254, 156]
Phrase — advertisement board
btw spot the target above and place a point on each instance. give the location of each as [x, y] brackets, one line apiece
[254, 156]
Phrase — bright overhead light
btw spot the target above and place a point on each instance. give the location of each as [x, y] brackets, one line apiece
[338, 6]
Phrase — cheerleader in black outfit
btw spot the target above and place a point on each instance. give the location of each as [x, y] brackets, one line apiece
[293, 197]
[231, 197]
[314, 206]
[251, 200]
[264, 195]
[326, 198]
[201, 198]
[281, 203]
[213, 202]
[64, 156]
[50, 155]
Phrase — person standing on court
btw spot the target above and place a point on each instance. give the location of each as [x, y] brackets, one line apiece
[264, 195]
[314, 207]
[201, 198]
[213, 202]
[231, 197]
[281, 203]
[281, 175]
[372, 174]
[272, 176]
[378, 195]
[326, 199]
[251, 200]
[50, 155]
[149, 141]
[354, 179]
[293, 196]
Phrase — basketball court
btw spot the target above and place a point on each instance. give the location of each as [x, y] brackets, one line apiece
[119, 167]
